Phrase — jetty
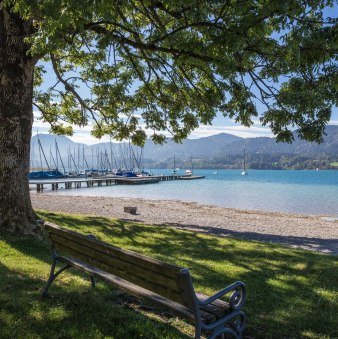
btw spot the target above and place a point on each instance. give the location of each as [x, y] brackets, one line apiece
[69, 183]
[190, 177]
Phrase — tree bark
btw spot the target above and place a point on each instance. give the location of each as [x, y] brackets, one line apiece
[16, 118]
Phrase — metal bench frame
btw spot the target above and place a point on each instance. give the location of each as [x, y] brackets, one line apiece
[232, 323]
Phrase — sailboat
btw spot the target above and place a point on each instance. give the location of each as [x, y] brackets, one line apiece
[244, 172]
[190, 172]
[45, 173]
[175, 169]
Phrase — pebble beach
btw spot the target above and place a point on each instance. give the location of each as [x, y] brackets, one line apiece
[310, 232]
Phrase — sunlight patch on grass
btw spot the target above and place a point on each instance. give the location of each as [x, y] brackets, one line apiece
[313, 335]
[280, 284]
[329, 295]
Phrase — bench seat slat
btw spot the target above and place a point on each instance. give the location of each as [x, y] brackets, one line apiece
[116, 264]
[211, 313]
[127, 255]
[218, 303]
[214, 311]
[174, 295]
[133, 289]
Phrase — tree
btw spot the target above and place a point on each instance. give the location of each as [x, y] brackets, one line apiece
[158, 65]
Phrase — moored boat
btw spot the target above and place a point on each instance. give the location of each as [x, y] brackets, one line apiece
[50, 174]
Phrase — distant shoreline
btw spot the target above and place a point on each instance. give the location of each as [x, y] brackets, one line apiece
[300, 231]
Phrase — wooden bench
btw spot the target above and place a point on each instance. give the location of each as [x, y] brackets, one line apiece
[167, 286]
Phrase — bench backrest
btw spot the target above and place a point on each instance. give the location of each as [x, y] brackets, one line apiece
[167, 280]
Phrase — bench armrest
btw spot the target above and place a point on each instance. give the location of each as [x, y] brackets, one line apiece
[237, 298]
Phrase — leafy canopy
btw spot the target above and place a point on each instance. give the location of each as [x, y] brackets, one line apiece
[172, 65]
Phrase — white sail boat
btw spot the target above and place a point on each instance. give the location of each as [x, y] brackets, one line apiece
[244, 172]
[174, 170]
[190, 172]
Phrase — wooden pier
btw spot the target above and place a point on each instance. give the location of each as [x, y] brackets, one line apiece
[105, 181]
[190, 177]
[136, 181]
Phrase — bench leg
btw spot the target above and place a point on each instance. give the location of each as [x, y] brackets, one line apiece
[235, 329]
[53, 276]
[198, 330]
[197, 334]
[92, 280]
[220, 332]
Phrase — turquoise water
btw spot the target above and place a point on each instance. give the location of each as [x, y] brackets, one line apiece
[306, 192]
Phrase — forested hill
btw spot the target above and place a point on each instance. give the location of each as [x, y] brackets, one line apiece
[221, 145]
[300, 147]
[261, 152]
[222, 151]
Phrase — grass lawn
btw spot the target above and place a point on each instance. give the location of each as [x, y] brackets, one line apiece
[291, 293]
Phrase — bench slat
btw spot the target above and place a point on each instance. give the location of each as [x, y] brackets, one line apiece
[164, 268]
[214, 311]
[168, 293]
[135, 290]
[118, 265]
[211, 313]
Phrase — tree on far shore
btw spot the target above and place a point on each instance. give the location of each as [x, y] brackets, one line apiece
[164, 66]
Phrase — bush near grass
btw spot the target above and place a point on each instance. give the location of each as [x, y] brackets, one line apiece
[291, 293]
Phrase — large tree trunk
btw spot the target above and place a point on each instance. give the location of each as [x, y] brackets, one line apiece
[16, 118]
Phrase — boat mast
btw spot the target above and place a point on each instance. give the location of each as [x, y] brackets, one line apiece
[84, 158]
[244, 161]
[112, 155]
[73, 161]
[140, 159]
[32, 156]
[44, 155]
[58, 152]
[52, 159]
[134, 158]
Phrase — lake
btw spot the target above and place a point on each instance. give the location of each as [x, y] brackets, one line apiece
[305, 192]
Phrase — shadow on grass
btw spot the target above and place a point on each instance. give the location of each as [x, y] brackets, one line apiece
[73, 310]
[329, 246]
[291, 293]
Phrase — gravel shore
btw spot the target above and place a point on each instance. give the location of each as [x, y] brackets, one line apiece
[303, 231]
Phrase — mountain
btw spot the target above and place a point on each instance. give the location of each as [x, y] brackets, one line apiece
[203, 147]
[219, 151]
[261, 145]
[48, 143]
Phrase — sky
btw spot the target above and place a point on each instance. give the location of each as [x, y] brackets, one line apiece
[220, 124]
